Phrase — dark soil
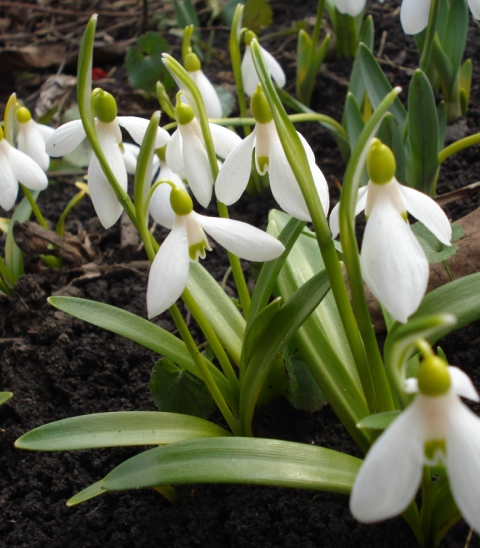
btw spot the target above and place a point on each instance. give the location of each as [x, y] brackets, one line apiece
[60, 367]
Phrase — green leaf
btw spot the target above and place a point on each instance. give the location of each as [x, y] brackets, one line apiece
[186, 15]
[141, 331]
[435, 251]
[228, 11]
[379, 421]
[177, 391]
[303, 391]
[389, 133]
[92, 491]
[252, 461]
[454, 36]
[258, 14]
[367, 32]
[352, 119]
[258, 326]
[444, 510]
[144, 62]
[4, 397]
[422, 141]
[465, 85]
[120, 429]
[377, 84]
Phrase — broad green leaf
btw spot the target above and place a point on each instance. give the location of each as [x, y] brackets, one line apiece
[435, 251]
[465, 84]
[120, 429]
[186, 14]
[141, 331]
[144, 62]
[257, 15]
[177, 391]
[258, 326]
[228, 11]
[390, 134]
[444, 510]
[377, 84]
[454, 36]
[442, 124]
[422, 140]
[89, 493]
[4, 397]
[379, 421]
[303, 391]
[252, 461]
[367, 32]
[353, 121]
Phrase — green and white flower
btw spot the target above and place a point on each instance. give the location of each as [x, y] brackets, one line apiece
[188, 242]
[32, 136]
[414, 14]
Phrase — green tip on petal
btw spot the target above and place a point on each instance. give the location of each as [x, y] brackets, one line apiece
[105, 106]
[184, 113]
[192, 62]
[1, 133]
[161, 153]
[381, 164]
[260, 107]
[23, 115]
[249, 36]
[433, 377]
[180, 201]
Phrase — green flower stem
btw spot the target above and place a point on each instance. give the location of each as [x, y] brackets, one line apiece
[430, 36]
[206, 376]
[6, 274]
[60, 228]
[236, 33]
[426, 509]
[35, 209]
[457, 146]
[182, 75]
[346, 34]
[212, 339]
[298, 162]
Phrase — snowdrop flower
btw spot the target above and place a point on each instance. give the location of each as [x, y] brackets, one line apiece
[15, 167]
[187, 242]
[186, 152]
[394, 266]
[350, 7]
[249, 74]
[209, 94]
[32, 136]
[436, 428]
[414, 14]
[70, 135]
[269, 156]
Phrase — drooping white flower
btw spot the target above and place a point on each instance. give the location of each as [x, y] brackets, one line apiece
[15, 167]
[394, 265]
[249, 74]
[32, 137]
[436, 428]
[70, 135]
[186, 152]
[414, 14]
[350, 7]
[269, 156]
[210, 97]
[187, 242]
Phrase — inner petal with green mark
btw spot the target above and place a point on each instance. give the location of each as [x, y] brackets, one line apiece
[197, 240]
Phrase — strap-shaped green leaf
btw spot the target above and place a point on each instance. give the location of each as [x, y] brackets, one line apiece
[141, 331]
[120, 429]
[88, 493]
[252, 461]
[4, 397]
[454, 37]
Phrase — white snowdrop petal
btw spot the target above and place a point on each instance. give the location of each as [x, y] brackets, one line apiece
[174, 152]
[411, 385]
[390, 475]
[137, 127]
[463, 461]
[393, 263]
[224, 140]
[474, 6]
[428, 212]
[169, 271]
[276, 71]
[334, 215]
[350, 7]
[283, 184]
[130, 156]
[160, 208]
[414, 15]
[8, 181]
[65, 139]
[321, 185]
[45, 131]
[249, 74]
[32, 143]
[242, 239]
[26, 170]
[235, 172]
[197, 168]
[462, 384]
[209, 94]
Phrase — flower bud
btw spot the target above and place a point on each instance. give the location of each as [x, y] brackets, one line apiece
[23, 115]
[105, 106]
[381, 164]
[192, 62]
[259, 106]
[180, 201]
[433, 377]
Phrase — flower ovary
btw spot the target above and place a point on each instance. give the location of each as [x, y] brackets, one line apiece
[381, 164]
[180, 201]
[105, 106]
[192, 62]
[260, 107]
[433, 377]
[184, 113]
[23, 115]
